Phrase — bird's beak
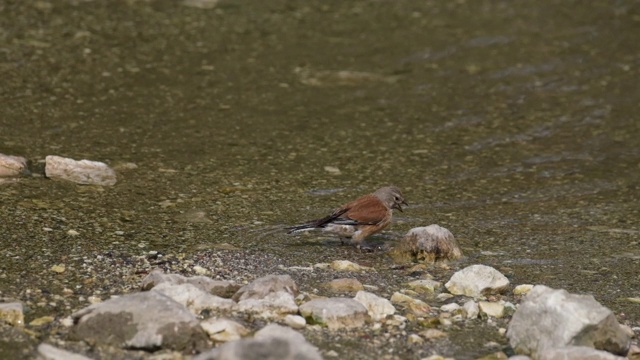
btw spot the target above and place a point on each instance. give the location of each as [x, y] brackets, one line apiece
[397, 206]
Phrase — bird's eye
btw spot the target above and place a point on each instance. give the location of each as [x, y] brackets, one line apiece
[396, 198]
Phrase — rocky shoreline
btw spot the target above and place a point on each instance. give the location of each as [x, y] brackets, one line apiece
[175, 316]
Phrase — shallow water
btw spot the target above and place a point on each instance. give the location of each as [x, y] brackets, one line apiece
[513, 125]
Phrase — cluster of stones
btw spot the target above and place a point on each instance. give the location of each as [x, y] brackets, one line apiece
[56, 167]
[189, 314]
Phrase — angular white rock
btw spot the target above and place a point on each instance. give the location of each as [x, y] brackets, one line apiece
[492, 309]
[273, 305]
[81, 172]
[377, 307]
[335, 313]
[194, 298]
[550, 318]
[476, 281]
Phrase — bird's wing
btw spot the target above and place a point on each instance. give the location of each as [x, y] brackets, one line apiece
[366, 210]
[319, 222]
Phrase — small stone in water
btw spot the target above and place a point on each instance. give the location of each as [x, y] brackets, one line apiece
[58, 268]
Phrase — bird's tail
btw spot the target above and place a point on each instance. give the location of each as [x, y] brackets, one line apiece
[301, 227]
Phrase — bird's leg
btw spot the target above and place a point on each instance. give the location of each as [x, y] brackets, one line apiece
[365, 248]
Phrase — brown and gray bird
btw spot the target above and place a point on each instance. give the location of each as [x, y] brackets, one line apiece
[361, 217]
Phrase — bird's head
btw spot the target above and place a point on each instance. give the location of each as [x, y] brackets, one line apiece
[391, 196]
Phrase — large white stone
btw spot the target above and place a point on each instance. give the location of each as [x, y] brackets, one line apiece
[476, 281]
[377, 307]
[81, 172]
[549, 318]
[335, 313]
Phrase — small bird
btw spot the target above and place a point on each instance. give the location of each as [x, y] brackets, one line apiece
[361, 217]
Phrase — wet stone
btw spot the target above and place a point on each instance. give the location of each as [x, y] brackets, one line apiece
[12, 313]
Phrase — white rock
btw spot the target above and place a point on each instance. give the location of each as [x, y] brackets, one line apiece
[492, 309]
[346, 265]
[220, 288]
[223, 330]
[49, 352]
[12, 165]
[262, 287]
[295, 321]
[472, 309]
[335, 313]
[417, 306]
[449, 307]
[272, 306]
[81, 172]
[429, 244]
[143, 320]
[377, 307]
[193, 298]
[549, 318]
[476, 281]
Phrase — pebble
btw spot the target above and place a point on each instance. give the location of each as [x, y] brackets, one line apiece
[12, 313]
[433, 334]
[41, 321]
[58, 268]
[472, 309]
[415, 339]
[223, 330]
[346, 265]
[493, 309]
[345, 285]
[295, 321]
[450, 307]
[425, 285]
